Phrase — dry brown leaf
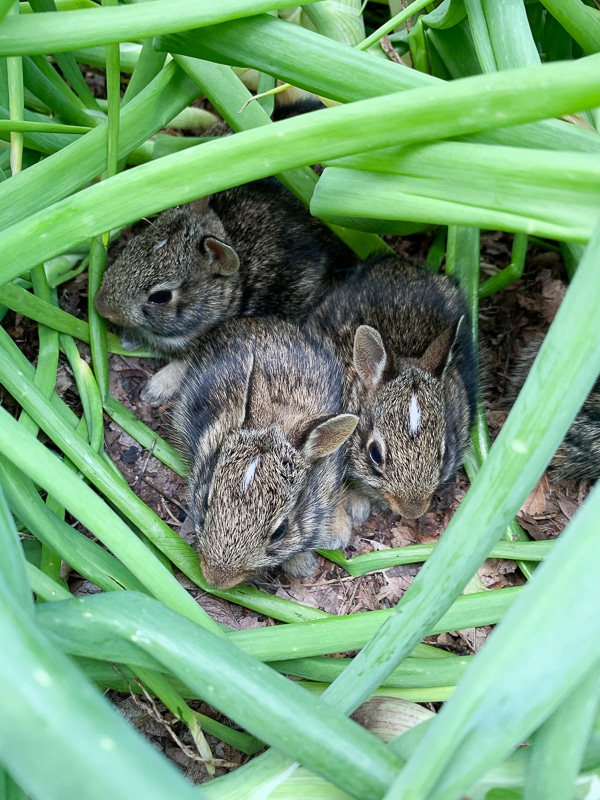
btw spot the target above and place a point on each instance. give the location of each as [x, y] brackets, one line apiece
[527, 522]
[536, 504]
[567, 506]
[553, 293]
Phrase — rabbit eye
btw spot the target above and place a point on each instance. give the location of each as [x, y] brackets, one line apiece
[279, 532]
[376, 456]
[160, 298]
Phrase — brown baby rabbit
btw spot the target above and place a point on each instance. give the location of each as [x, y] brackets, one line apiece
[578, 457]
[403, 337]
[250, 250]
[258, 420]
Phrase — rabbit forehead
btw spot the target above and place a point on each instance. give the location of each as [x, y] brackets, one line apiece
[408, 420]
[160, 252]
[257, 479]
[413, 402]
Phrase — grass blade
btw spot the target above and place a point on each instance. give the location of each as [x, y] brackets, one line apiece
[559, 745]
[145, 435]
[510, 35]
[516, 461]
[237, 685]
[531, 669]
[581, 21]
[46, 470]
[5, 6]
[416, 553]
[46, 84]
[19, 299]
[481, 35]
[12, 557]
[89, 393]
[68, 30]
[331, 133]
[16, 100]
[53, 718]
[97, 325]
[487, 186]
[413, 673]
[146, 69]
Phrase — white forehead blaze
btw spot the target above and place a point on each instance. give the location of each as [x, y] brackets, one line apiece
[160, 244]
[414, 415]
[248, 476]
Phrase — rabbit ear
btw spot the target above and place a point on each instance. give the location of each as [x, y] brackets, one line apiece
[258, 406]
[329, 435]
[370, 357]
[243, 408]
[438, 355]
[200, 205]
[224, 257]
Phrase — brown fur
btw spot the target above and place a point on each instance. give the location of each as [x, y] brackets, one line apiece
[578, 457]
[258, 419]
[250, 250]
[402, 336]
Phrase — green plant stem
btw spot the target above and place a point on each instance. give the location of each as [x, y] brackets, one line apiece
[88, 27]
[97, 325]
[14, 70]
[12, 557]
[510, 273]
[23, 126]
[393, 22]
[89, 392]
[559, 745]
[82, 554]
[46, 470]
[427, 114]
[19, 299]
[416, 553]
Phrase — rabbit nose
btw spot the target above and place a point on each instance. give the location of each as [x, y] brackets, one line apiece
[111, 312]
[219, 577]
[408, 507]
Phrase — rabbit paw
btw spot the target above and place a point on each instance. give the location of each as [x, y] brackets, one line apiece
[165, 383]
[358, 508]
[340, 531]
[301, 564]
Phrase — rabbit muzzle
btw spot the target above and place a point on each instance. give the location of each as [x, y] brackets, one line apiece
[219, 577]
[407, 507]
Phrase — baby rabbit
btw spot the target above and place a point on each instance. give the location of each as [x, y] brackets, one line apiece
[403, 337]
[578, 457]
[258, 420]
[250, 250]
